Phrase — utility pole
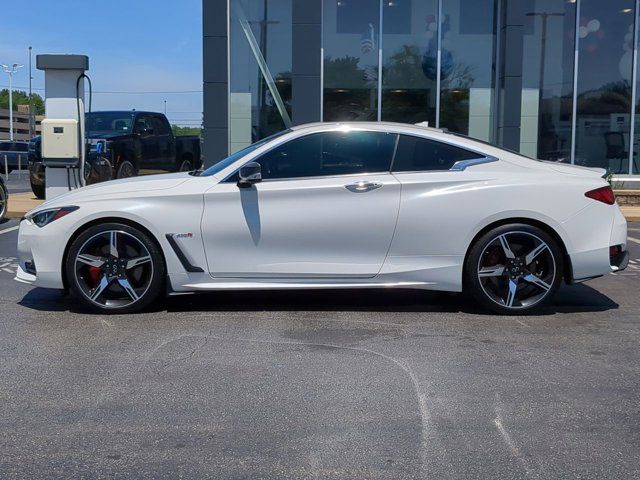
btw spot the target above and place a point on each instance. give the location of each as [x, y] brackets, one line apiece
[31, 117]
[165, 108]
[10, 71]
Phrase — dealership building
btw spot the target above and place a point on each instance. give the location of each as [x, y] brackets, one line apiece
[552, 79]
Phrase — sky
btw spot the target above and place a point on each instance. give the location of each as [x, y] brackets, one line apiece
[133, 46]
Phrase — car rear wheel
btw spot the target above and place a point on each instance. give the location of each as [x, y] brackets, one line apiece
[513, 269]
[115, 268]
[4, 200]
[126, 169]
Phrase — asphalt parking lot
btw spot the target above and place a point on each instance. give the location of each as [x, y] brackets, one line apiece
[357, 385]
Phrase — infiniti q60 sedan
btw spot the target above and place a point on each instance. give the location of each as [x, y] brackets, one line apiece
[344, 205]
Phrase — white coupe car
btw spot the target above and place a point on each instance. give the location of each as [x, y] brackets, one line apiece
[347, 205]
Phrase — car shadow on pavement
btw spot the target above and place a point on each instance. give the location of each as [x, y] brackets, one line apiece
[577, 298]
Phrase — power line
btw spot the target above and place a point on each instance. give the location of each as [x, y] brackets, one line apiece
[122, 92]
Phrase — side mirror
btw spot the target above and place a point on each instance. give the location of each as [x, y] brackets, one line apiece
[249, 174]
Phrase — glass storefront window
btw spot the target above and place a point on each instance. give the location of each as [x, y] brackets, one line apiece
[409, 65]
[547, 78]
[350, 41]
[467, 58]
[604, 84]
[260, 70]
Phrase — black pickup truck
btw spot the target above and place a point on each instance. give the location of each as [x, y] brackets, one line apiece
[121, 143]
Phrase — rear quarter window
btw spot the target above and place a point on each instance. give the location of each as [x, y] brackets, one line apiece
[416, 154]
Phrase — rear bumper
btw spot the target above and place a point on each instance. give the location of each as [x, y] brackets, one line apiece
[595, 230]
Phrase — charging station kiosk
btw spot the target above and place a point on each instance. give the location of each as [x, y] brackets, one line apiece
[63, 143]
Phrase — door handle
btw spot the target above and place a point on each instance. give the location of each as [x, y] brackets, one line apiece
[362, 186]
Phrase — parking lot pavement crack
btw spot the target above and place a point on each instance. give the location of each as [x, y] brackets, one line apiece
[194, 350]
[508, 440]
[427, 437]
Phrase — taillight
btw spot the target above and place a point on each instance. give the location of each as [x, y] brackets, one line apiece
[602, 194]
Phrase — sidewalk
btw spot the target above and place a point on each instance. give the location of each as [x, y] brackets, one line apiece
[21, 203]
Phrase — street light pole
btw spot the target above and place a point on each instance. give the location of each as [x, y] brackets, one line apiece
[10, 71]
[31, 117]
[165, 108]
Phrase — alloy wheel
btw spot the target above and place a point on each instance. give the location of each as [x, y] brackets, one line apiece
[126, 170]
[3, 202]
[113, 269]
[517, 269]
[185, 166]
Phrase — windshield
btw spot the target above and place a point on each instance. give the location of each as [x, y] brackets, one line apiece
[101, 123]
[222, 164]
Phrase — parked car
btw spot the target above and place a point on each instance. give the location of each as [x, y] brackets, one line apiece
[121, 143]
[4, 199]
[16, 154]
[354, 205]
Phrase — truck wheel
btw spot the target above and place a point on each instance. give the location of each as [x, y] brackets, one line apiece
[38, 190]
[4, 198]
[185, 166]
[126, 169]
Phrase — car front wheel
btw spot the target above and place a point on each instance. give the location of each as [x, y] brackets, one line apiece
[115, 268]
[513, 269]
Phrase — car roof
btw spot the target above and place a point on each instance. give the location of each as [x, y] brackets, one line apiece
[393, 126]
[420, 129]
[132, 112]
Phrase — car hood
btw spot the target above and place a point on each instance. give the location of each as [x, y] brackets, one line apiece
[139, 186]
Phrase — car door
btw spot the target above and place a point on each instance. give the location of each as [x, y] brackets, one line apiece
[164, 139]
[149, 151]
[326, 207]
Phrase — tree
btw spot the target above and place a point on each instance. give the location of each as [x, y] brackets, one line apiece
[180, 131]
[22, 98]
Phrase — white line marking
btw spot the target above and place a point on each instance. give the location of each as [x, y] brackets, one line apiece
[634, 240]
[7, 230]
[515, 451]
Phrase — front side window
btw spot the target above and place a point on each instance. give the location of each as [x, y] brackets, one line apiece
[329, 154]
[415, 154]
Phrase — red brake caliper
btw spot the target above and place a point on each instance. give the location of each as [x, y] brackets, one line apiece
[94, 275]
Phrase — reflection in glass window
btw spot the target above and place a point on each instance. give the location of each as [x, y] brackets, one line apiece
[416, 154]
[409, 49]
[604, 84]
[350, 38]
[467, 67]
[254, 111]
[330, 154]
[547, 93]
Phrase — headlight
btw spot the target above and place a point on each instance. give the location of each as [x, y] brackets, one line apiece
[45, 217]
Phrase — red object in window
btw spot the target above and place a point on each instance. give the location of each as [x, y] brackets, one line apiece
[602, 194]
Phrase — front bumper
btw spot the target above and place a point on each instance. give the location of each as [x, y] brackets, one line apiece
[620, 261]
[40, 254]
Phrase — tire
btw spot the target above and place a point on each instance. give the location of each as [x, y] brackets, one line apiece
[125, 280]
[185, 166]
[38, 190]
[513, 269]
[126, 169]
[4, 199]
